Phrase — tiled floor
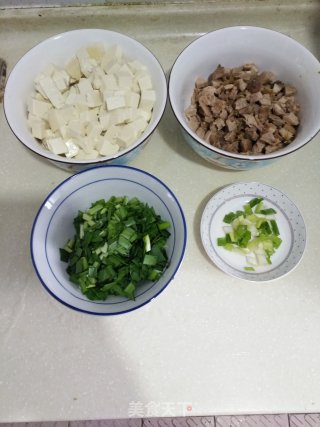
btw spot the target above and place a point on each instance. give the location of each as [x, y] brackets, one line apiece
[278, 420]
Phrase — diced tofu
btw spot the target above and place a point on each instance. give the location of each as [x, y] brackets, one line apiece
[147, 100]
[97, 105]
[88, 116]
[124, 70]
[145, 82]
[114, 102]
[107, 148]
[93, 130]
[87, 64]
[112, 67]
[86, 144]
[136, 66]
[114, 52]
[105, 121]
[73, 68]
[139, 125]
[96, 52]
[61, 80]
[39, 108]
[52, 92]
[125, 82]
[127, 135]
[87, 156]
[94, 99]
[38, 128]
[121, 116]
[132, 99]
[145, 114]
[84, 86]
[109, 82]
[97, 77]
[113, 132]
[75, 129]
[57, 146]
[73, 149]
[55, 120]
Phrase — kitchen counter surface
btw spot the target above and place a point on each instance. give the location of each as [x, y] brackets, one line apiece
[209, 344]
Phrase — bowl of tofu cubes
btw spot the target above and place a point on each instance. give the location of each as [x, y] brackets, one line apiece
[85, 98]
[246, 96]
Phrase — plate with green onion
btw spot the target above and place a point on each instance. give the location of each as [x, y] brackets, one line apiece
[108, 240]
[253, 231]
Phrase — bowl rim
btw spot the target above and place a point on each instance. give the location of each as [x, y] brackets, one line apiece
[74, 177]
[100, 160]
[257, 158]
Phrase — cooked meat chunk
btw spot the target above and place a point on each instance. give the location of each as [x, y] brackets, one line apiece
[243, 110]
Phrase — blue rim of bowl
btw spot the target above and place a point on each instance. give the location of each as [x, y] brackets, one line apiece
[101, 160]
[275, 155]
[88, 171]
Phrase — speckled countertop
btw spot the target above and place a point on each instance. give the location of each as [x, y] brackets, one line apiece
[209, 344]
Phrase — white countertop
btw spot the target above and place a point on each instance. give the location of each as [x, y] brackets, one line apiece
[209, 344]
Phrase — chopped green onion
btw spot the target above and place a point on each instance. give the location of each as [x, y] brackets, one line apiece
[118, 244]
[254, 235]
[269, 211]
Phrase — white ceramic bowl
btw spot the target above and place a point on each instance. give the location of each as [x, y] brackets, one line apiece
[231, 47]
[58, 50]
[290, 223]
[53, 226]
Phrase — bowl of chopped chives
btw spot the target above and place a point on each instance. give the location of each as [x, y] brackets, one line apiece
[253, 231]
[108, 240]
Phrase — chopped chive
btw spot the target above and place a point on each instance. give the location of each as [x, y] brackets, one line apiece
[274, 227]
[269, 211]
[118, 244]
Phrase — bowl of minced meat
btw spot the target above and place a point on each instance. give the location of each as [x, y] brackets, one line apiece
[241, 102]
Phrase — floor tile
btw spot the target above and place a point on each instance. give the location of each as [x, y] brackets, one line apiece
[304, 420]
[107, 423]
[253, 421]
[179, 422]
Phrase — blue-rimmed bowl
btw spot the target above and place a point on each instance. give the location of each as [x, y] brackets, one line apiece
[58, 50]
[271, 51]
[54, 225]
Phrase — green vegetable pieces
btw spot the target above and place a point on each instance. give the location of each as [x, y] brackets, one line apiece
[252, 232]
[118, 243]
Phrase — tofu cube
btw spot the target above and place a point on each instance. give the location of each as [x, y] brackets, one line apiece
[73, 68]
[51, 91]
[145, 82]
[114, 102]
[147, 100]
[87, 156]
[127, 135]
[124, 81]
[96, 51]
[112, 133]
[73, 149]
[75, 129]
[136, 65]
[132, 99]
[84, 86]
[57, 146]
[107, 148]
[109, 82]
[87, 64]
[39, 108]
[38, 128]
[61, 80]
[94, 99]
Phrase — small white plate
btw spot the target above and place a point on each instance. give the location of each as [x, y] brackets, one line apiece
[290, 222]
